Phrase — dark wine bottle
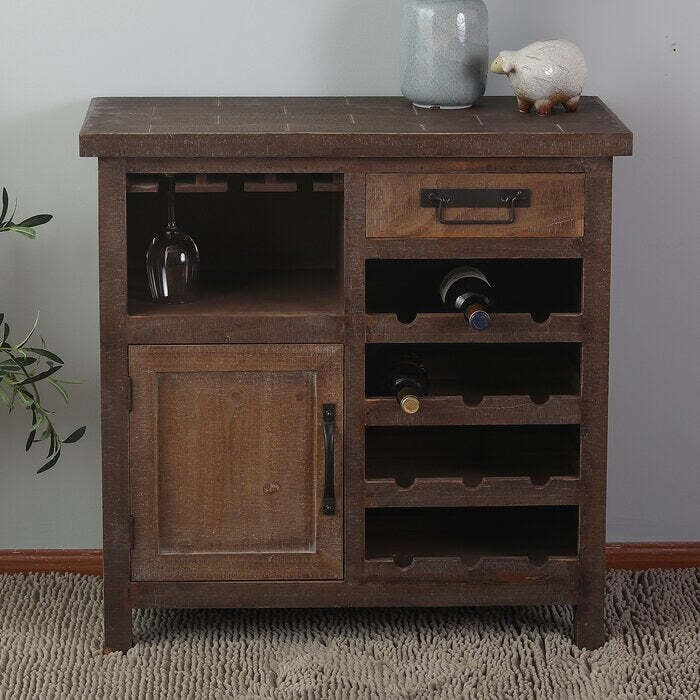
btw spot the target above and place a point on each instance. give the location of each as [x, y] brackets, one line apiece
[468, 291]
[408, 381]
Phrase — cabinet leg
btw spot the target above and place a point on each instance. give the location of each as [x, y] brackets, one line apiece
[117, 627]
[589, 626]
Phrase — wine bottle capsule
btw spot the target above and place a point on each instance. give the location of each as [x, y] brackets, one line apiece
[467, 290]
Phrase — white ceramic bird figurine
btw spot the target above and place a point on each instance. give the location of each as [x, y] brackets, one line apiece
[544, 74]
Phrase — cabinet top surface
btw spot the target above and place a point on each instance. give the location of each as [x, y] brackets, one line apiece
[342, 127]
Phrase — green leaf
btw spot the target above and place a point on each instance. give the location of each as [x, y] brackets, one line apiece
[53, 443]
[25, 397]
[2, 318]
[16, 363]
[5, 333]
[5, 398]
[5, 204]
[38, 419]
[28, 232]
[51, 462]
[36, 220]
[9, 222]
[42, 375]
[30, 440]
[30, 334]
[45, 353]
[57, 386]
[75, 435]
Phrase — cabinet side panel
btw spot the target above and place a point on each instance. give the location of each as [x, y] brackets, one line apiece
[116, 516]
[594, 405]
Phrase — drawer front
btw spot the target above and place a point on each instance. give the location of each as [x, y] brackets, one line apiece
[551, 206]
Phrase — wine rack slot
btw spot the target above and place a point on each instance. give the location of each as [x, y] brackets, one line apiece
[491, 410]
[415, 540]
[148, 183]
[476, 372]
[559, 573]
[460, 465]
[326, 182]
[442, 327]
[270, 183]
[534, 288]
[196, 183]
[471, 454]
[270, 244]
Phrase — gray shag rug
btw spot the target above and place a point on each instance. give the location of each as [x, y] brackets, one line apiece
[50, 647]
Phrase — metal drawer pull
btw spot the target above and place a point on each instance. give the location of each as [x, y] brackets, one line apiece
[328, 507]
[482, 199]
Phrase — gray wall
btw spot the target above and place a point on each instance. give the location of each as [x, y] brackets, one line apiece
[643, 57]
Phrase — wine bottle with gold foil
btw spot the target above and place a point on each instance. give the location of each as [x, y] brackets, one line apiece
[408, 382]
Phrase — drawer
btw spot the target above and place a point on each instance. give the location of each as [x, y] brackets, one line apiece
[551, 205]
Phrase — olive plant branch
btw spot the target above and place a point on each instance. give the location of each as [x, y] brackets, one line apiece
[24, 367]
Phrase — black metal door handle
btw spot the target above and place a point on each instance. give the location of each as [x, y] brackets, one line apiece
[328, 507]
[444, 199]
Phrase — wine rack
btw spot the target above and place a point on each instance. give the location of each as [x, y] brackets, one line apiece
[490, 480]
[253, 453]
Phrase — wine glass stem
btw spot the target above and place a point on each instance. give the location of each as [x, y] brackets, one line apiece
[171, 203]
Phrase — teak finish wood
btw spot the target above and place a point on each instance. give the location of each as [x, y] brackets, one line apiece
[555, 211]
[199, 535]
[224, 488]
[351, 127]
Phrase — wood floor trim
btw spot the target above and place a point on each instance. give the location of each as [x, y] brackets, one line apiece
[71, 561]
[635, 556]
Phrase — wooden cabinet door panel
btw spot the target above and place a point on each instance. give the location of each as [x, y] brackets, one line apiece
[227, 462]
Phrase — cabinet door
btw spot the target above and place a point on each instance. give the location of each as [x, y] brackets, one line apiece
[228, 462]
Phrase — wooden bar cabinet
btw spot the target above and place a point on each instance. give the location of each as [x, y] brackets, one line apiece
[252, 455]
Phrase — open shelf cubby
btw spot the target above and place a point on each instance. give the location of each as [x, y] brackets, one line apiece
[536, 287]
[473, 371]
[403, 534]
[471, 453]
[268, 243]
